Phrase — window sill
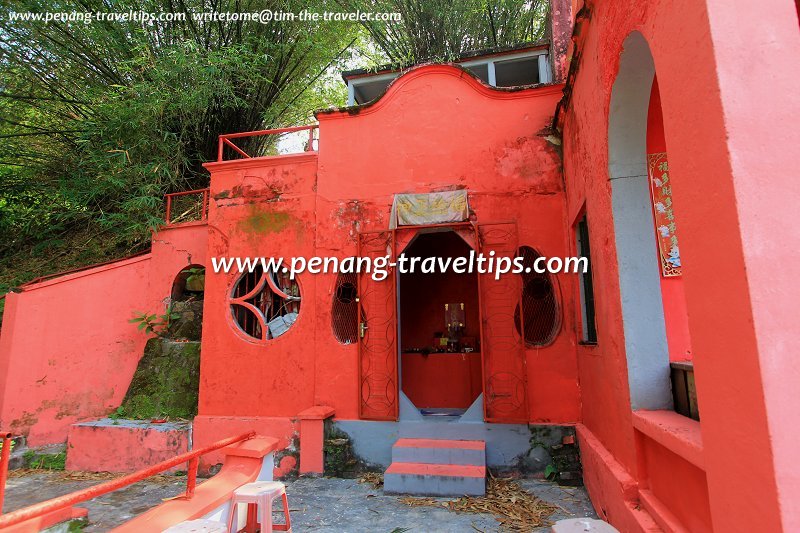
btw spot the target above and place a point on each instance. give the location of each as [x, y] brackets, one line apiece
[677, 433]
[588, 348]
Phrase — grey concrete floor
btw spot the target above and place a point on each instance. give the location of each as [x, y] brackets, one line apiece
[336, 505]
[318, 505]
[105, 512]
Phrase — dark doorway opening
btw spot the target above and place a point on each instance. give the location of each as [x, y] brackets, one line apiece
[440, 361]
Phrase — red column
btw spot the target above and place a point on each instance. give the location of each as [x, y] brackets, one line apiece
[312, 438]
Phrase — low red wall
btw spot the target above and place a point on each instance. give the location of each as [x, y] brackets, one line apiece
[125, 447]
[679, 485]
[209, 429]
[67, 349]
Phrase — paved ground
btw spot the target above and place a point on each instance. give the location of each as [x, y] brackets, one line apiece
[318, 505]
[106, 511]
[336, 505]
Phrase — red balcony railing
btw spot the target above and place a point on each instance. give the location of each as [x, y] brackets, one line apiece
[225, 139]
[68, 500]
[187, 206]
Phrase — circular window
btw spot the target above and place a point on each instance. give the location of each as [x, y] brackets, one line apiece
[265, 304]
[540, 313]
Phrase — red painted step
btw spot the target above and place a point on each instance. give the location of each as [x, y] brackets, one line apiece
[441, 443]
[425, 469]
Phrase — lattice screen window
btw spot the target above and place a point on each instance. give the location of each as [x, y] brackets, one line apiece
[264, 304]
[540, 307]
[344, 310]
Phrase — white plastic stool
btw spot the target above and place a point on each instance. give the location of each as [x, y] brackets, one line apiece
[262, 494]
[197, 526]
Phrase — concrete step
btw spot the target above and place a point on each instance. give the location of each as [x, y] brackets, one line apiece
[440, 451]
[424, 479]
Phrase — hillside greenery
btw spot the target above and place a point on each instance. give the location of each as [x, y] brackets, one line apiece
[98, 121]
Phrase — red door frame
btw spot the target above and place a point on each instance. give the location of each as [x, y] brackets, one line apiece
[378, 391]
[505, 377]
[387, 407]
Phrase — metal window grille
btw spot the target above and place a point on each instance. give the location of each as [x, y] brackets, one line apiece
[344, 311]
[265, 304]
[540, 309]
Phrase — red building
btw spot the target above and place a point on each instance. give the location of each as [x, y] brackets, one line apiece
[636, 125]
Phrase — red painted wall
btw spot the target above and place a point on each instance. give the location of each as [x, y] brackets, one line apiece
[733, 188]
[442, 379]
[679, 485]
[436, 128]
[67, 350]
[673, 296]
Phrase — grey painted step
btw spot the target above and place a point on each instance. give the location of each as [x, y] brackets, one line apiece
[439, 451]
[421, 479]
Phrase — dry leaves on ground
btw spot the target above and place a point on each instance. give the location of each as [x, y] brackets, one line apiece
[66, 475]
[376, 478]
[514, 507]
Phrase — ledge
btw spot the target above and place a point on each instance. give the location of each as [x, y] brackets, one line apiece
[677, 433]
[255, 448]
[261, 161]
[660, 512]
[318, 412]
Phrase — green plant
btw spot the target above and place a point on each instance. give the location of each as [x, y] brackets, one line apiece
[76, 526]
[45, 461]
[10, 447]
[196, 279]
[153, 323]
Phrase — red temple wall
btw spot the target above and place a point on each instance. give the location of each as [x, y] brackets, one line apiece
[67, 350]
[673, 295]
[731, 189]
[435, 128]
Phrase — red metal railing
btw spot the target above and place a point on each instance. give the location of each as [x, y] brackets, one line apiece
[4, 457]
[68, 500]
[191, 206]
[225, 139]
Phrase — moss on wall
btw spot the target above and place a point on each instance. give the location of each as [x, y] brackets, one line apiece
[262, 222]
[188, 323]
[339, 458]
[166, 382]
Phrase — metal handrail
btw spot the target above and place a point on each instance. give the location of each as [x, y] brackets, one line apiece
[4, 458]
[204, 211]
[225, 139]
[62, 502]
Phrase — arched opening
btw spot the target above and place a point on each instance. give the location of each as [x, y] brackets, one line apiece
[645, 227]
[189, 284]
[185, 310]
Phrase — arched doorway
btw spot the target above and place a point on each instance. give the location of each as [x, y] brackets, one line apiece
[646, 225]
[439, 329]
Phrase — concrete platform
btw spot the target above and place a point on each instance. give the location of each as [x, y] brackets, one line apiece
[108, 445]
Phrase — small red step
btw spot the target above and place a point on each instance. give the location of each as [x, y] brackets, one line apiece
[424, 469]
[441, 443]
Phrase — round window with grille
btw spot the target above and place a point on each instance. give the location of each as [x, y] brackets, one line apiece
[541, 315]
[344, 310]
[264, 303]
